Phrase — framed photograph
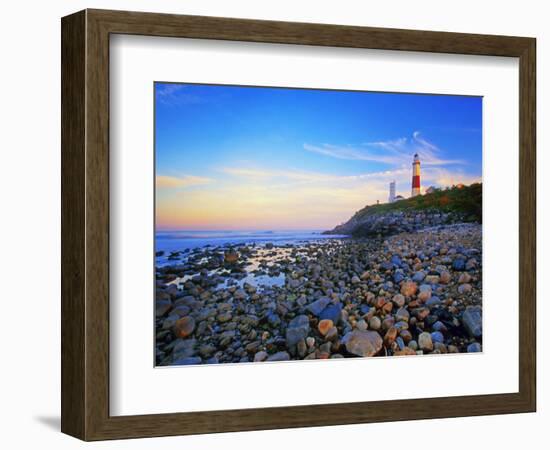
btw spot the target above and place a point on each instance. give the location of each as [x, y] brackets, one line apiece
[273, 225]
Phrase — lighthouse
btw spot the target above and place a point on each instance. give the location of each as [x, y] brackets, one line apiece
[416, 176]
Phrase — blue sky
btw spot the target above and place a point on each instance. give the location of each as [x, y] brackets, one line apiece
[257, 142]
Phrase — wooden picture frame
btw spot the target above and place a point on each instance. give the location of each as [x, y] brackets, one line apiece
[85, 224]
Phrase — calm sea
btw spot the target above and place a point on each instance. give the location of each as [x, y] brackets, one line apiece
[168, 241]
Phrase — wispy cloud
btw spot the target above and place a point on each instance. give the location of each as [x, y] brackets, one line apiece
[169, 182]
[263, 174]
[351, 153]
[431, 153]
[176, 94]
[441, 177]
[395, 152]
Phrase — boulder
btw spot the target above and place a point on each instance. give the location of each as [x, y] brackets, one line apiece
[184, 348]
[331, 312]
[474, 347]
[279, 356]
[402, 314]
[192, 360]
[260, 356]
[445, 277]
[375, 323]
[472, 321]
[162, 307]
[317, 306]
[231, 256]
[399, 300]
[298, 328]
[324, 326]
[363, 343]
[437, 336]
[459, 264]
[425, 342]
[407, 351]
[408, 288]
[184, 327]
[419, 276]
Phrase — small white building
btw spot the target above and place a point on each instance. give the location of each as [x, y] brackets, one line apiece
[391, 198]
[430, 190]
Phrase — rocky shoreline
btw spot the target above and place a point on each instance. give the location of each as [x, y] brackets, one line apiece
[413, 293]
[395, 222]
[454, 205]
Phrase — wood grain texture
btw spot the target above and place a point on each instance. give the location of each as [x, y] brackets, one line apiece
[73, 274]
[85, 224]
[201, 27]
[527, 224]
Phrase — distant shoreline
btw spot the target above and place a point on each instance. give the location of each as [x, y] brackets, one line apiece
[180, 241]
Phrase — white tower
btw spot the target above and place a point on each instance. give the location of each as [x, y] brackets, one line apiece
[391, 198]
[416, 176]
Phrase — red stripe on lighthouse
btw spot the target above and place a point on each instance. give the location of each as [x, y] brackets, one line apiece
[416, 181]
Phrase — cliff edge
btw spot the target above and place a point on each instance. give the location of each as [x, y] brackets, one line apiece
[440, 207]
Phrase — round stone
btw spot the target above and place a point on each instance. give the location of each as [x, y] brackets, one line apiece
[363, 343]
[425, 342]
[402, 314]
[459, 264]
[464, 278]
[390, 336]
[445, 277]
[407, 351]
[325, 325]
[406, 335]
[260, 356]
[231, 256]
[474, 347]
[408, 288]
[419, 276]
[399, 300]
[184, 327]
[332, 334]
[437, 336]
[424, 295]
[279, 356]
[375, 323]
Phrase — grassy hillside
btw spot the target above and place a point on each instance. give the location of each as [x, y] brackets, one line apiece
[466, 200]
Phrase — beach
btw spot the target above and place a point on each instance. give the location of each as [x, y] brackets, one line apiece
[320, 297]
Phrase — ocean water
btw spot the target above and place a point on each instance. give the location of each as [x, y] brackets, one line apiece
[169, 241]
[172, 241]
